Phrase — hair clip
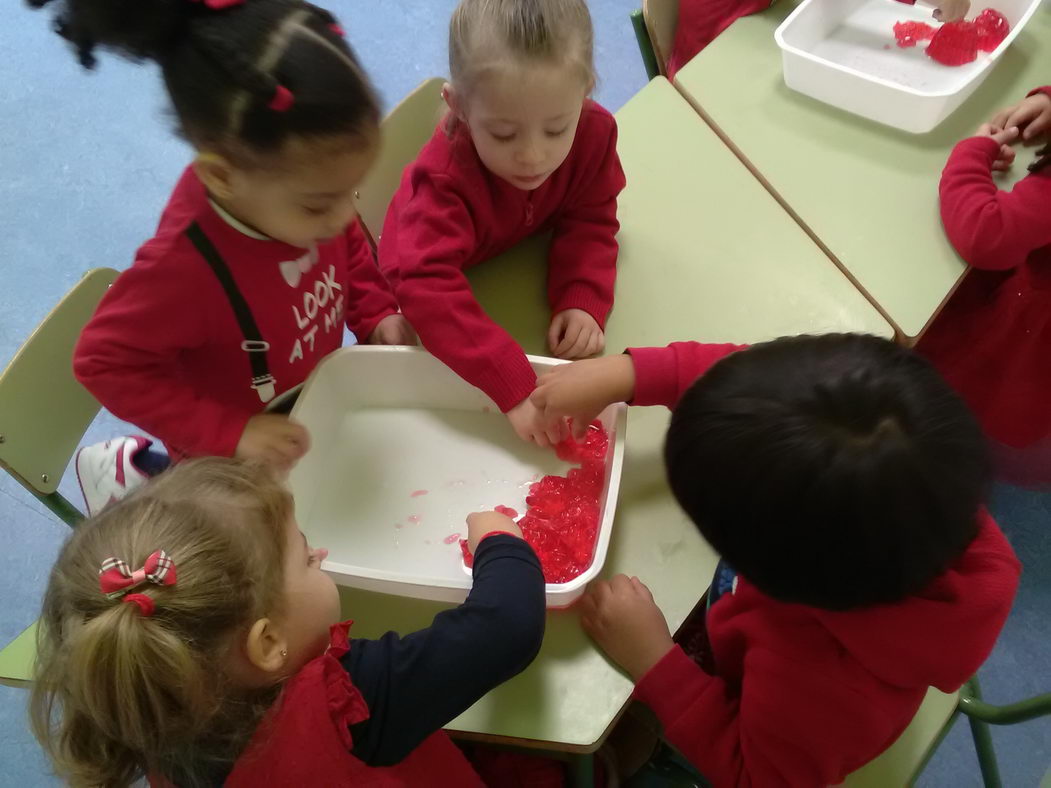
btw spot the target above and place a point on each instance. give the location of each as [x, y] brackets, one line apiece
[337, 28]
[116, 578]
[145, 603]
[219, 5]
[282, 100]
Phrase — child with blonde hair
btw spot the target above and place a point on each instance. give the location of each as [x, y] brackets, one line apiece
[523, 150]
[258, 260]
[189, 635]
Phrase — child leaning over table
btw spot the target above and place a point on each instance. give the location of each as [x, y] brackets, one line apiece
[993, 339]
[524, 150]
[841, 480]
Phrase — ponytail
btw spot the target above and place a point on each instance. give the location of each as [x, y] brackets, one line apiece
[137, 684]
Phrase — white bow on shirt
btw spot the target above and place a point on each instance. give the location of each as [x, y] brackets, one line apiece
[293, 270]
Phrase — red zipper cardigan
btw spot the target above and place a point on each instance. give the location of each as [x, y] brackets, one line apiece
[451, 213]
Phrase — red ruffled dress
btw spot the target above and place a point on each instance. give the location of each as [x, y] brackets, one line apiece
[305, 740]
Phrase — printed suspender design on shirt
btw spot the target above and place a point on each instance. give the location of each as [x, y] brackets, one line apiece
[254, 345]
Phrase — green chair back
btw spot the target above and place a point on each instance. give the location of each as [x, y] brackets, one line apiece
[405, 131]
[903, 761]
[44, 411]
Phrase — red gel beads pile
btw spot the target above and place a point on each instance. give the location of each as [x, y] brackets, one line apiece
[561, 522]
[956, 43]
[909, 34]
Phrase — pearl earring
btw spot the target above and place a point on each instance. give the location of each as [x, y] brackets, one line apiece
[284, 653]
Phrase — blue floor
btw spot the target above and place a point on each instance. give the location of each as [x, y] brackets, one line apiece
[87, 161]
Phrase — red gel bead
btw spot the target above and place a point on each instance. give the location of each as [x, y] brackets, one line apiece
[506, 510]
[992, 27]
[954, 44]
[908, 34]
[561, 522]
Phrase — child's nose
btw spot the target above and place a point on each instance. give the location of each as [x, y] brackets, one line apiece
[530, 153]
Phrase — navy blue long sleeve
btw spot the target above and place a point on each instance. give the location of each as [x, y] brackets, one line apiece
[414, 685]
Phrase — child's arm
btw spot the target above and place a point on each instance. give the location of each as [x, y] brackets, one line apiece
[124, 358]
[434, 237]
[416, 684]
[992, 229]
[372, 311]
[642, 376]
[779, 729]
[582, 259]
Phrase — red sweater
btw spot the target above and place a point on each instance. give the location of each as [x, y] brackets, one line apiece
[451, 213]
[804, 696]
[992, 341]
[163, 351]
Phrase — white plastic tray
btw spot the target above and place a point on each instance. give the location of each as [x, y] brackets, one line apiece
[403, 450]
[843, 52]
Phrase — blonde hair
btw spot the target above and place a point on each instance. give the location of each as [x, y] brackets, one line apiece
[486, 31]
[116, 694]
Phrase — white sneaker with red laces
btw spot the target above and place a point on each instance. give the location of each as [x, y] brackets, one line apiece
[107, 471]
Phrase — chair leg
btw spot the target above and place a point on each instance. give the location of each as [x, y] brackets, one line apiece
[582, 771]
[62, 508]
[983, 742]
[642, 36]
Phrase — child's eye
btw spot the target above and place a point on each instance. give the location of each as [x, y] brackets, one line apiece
[310, 211]
[558, 133]
[502, 137]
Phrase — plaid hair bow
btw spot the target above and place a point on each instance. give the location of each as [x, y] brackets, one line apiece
[116, 578]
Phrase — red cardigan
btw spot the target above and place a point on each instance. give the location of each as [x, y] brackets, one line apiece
[992, 341]
[451, 213]
[163, 350]
[804, 696]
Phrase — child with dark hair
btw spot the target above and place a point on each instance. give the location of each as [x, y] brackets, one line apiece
[993, 339]
[258, 260]
[841, 480]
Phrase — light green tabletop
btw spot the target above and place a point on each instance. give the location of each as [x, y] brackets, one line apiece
[868, 192]
[706, 253]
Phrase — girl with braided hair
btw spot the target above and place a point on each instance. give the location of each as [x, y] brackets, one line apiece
[258, 259]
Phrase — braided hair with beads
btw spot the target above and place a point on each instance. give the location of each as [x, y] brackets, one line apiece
[243, 77]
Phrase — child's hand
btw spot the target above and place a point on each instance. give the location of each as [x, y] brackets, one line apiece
[575, 334]
[274, 439]
[1005, 137]
[1032, 115]
[625, 622]
[392, 330]
[481, 523]
[951, 10]
[531, 425]
[582, 390]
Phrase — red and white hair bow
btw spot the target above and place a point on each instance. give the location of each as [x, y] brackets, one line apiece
[116, 578]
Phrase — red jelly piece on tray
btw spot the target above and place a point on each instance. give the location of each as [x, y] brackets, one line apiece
[561, 522]
[909, 34]
[954, 44]
[992, 27]
[506, 510]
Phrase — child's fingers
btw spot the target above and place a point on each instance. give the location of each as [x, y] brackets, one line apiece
[1000, 118]
[1006, 136]
[554, 333]
[641, 588]
[580, 428]
[569, 338]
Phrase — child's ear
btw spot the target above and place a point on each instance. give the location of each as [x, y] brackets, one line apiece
[452, 101]
[265, 646]
[216, 173]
